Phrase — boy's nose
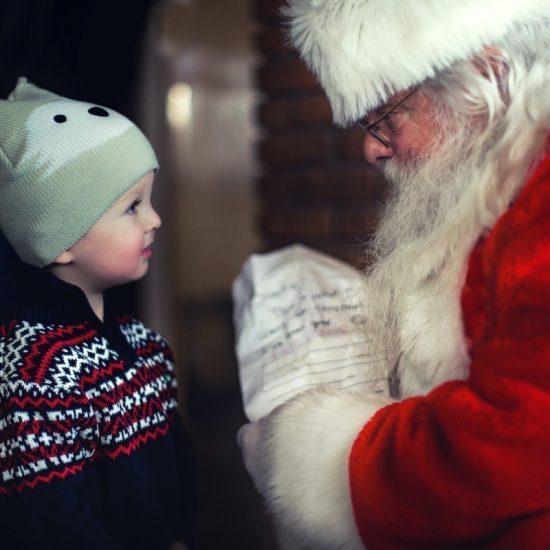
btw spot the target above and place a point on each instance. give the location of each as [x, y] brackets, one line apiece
[154, 221]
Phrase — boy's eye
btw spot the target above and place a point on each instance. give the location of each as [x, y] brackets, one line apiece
[132, 209]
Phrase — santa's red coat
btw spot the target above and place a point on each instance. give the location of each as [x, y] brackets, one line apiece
[468, 465]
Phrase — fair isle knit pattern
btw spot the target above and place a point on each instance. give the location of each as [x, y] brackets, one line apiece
[68, 398]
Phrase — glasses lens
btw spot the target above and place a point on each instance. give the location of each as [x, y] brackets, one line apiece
[379, 125]
[374, 131]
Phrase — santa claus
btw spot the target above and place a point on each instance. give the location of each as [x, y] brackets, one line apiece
[454, 97]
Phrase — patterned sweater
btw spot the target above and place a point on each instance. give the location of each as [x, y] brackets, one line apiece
[92, 450]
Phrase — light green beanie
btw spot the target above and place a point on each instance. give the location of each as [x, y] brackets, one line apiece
[63, 164]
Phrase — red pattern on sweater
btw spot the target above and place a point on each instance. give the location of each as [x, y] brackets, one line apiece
[68, 398]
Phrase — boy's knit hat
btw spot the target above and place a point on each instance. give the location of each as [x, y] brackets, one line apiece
[63, 163]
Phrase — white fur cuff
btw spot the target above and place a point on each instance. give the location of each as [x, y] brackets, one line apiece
[307, 447]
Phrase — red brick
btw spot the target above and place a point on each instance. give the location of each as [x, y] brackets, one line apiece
[293, 148]
[354, 223]
[282, 113]
[350, 252]
[350, 144]
[268, 9]
[297, 224]
[272, 41]
[317, 188]
[286, 76]
[335, 186]
[363, 184]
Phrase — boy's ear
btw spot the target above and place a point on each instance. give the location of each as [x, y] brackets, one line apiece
[64, 258]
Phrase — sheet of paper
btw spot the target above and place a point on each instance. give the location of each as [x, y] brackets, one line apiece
[300, 320]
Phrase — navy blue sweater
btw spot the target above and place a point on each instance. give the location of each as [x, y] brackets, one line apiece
[93, 454]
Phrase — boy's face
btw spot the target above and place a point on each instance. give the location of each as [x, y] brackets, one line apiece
[118, 247]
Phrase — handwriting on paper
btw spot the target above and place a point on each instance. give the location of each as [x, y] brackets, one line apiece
[301, 322]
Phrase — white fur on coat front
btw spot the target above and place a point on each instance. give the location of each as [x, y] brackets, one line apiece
[433, 345]
[364, 51]
[306, 445]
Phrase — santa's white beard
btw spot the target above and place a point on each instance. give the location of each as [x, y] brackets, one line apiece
[417, 271]
[423, 192]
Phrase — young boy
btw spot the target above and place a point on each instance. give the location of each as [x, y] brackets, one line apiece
[92, 451]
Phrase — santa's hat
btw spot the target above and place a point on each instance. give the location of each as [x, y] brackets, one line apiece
[363, 51]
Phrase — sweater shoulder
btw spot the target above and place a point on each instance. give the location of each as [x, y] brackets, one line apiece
[143, 340]
[50, 355]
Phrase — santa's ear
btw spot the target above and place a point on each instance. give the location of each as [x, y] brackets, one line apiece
[492, 64]
[64, 258]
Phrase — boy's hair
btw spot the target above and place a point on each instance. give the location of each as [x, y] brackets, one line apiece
[63, 163]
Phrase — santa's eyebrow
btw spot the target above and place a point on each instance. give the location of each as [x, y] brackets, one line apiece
[389, 106]
[385, 109]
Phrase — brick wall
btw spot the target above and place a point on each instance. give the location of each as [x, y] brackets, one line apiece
[315, 187]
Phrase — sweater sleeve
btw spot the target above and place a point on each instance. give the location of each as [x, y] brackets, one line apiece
[47, 440]
[469, 460]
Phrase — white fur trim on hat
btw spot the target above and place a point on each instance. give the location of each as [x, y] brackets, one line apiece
[364, 51]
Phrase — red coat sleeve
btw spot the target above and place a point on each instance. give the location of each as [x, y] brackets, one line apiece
[468, 463]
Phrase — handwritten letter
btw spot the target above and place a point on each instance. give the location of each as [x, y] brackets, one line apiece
[301, 321]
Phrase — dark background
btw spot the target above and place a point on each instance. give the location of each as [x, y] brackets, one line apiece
[83, 50]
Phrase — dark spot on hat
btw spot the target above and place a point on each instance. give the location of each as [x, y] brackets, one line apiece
[60, 118]
[98, 111]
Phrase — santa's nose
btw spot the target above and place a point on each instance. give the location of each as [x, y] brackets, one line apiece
[374, 150]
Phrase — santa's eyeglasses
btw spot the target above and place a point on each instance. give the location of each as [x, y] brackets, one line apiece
[379, 125]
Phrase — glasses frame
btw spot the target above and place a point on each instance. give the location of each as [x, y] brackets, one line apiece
[370, 128]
